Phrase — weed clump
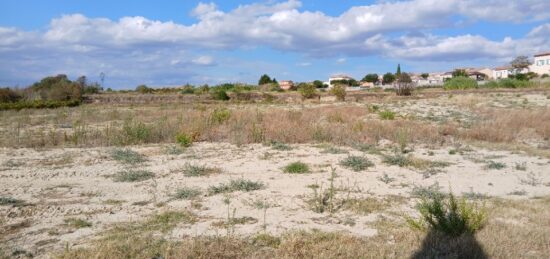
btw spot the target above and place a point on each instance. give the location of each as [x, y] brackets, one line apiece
[356, 163]
[449, 216]
[236, 185]
[387, 115]
[77, 223]
[297, 168]
[187, 193]
[280, 146]
[4, 201]
[495, 165]
[133, 176]
[199, 170]
[127, 156]
[184, 140]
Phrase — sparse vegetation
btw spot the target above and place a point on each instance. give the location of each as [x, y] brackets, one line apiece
[127, 156]
[77, 223]
[495, 165]
[242, 185]
[187, 193]
[184, 140]
[387, 115]
[191, 170]
[296, 168]
[4, 201]
[356, 163]
[133, 176]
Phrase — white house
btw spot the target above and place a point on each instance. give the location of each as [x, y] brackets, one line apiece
[502, 72]
[541, 64]
[338, 78]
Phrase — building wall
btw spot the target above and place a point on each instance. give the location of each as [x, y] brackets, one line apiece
[541, 65]
[498, 74]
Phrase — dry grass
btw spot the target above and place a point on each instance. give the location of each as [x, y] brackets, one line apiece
[499, 239]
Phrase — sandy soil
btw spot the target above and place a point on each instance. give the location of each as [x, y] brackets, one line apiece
[57, 184]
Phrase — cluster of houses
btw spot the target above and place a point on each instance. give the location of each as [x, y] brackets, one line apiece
[540, 66]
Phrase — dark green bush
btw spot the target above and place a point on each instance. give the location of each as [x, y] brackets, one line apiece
[38, 104]
[220, 94]
[7, 95]
[184, 140]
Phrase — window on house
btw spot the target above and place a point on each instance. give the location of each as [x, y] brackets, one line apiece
[540, 62]
[548, 62]
[499, 74]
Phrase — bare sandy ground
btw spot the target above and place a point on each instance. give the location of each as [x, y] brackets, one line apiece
[57, 184]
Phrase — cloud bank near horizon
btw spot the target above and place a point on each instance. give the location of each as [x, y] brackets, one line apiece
[137, 49]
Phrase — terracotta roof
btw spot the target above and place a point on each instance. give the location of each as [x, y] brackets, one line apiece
[542, 54]
[503, 68]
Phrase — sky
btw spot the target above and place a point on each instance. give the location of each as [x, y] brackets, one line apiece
[173, 42]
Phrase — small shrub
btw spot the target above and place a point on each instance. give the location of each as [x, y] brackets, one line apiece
[513, 83]
[495, 165]
[199, 170]
[307, 91]
[184, 140]
[134, 132]
[427, 192]
[296, 168]
[387, 115]
[133, 176]
[220, 94]
[396, 159]
[187, 193]
[127, 156]
[339, 91]
[356, 163]
[280, 146]
[77, 223]
[236, 185]
[9, 201]
[449, 216]
[460, 83]
[220, 115]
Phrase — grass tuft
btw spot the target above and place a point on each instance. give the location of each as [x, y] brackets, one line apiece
[133, 176]
[297, 168]
[187, 193]
[77, 223]
[199, 170]
[242, 185]
[9, 201]
[356, 163]
[127, 156]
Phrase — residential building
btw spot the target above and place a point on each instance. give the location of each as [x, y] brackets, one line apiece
[338, 78]
[502, 72]
[541, 64]
[286, 85]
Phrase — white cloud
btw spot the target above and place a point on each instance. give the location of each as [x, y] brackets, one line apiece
[341, 60]
[141, 46]
[204, 61]
[304, 64]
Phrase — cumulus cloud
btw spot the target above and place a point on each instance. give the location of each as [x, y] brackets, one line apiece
[387, 28]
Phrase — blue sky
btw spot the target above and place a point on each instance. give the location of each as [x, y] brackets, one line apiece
[170, 43]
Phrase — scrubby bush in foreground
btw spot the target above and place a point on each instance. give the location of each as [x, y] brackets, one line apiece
[449, 216]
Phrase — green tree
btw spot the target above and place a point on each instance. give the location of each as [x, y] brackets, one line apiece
[371, 78]
[319, 84]
[425, 75]
[460, 72]
[307, 90]
[388, 78]
[143, 89]
[398, 73]
[265, 79]
[520, 63]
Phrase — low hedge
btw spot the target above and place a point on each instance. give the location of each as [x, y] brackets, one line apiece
[38, 104]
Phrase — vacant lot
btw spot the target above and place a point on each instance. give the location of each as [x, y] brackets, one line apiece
[281, 180]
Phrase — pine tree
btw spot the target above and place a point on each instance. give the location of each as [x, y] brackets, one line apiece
[398, 73]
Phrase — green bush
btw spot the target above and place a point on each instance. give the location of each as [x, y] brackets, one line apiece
[449, 216]
[356, 163]
[513, 83]
[460, 83]
[220, 115]
[387, 115]
[307, 91]
[7, 95]
[339, 91]
[296, 168]
[143, 89]
[134, 132]
[219, 94]
[184, 140]
[38, 104]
